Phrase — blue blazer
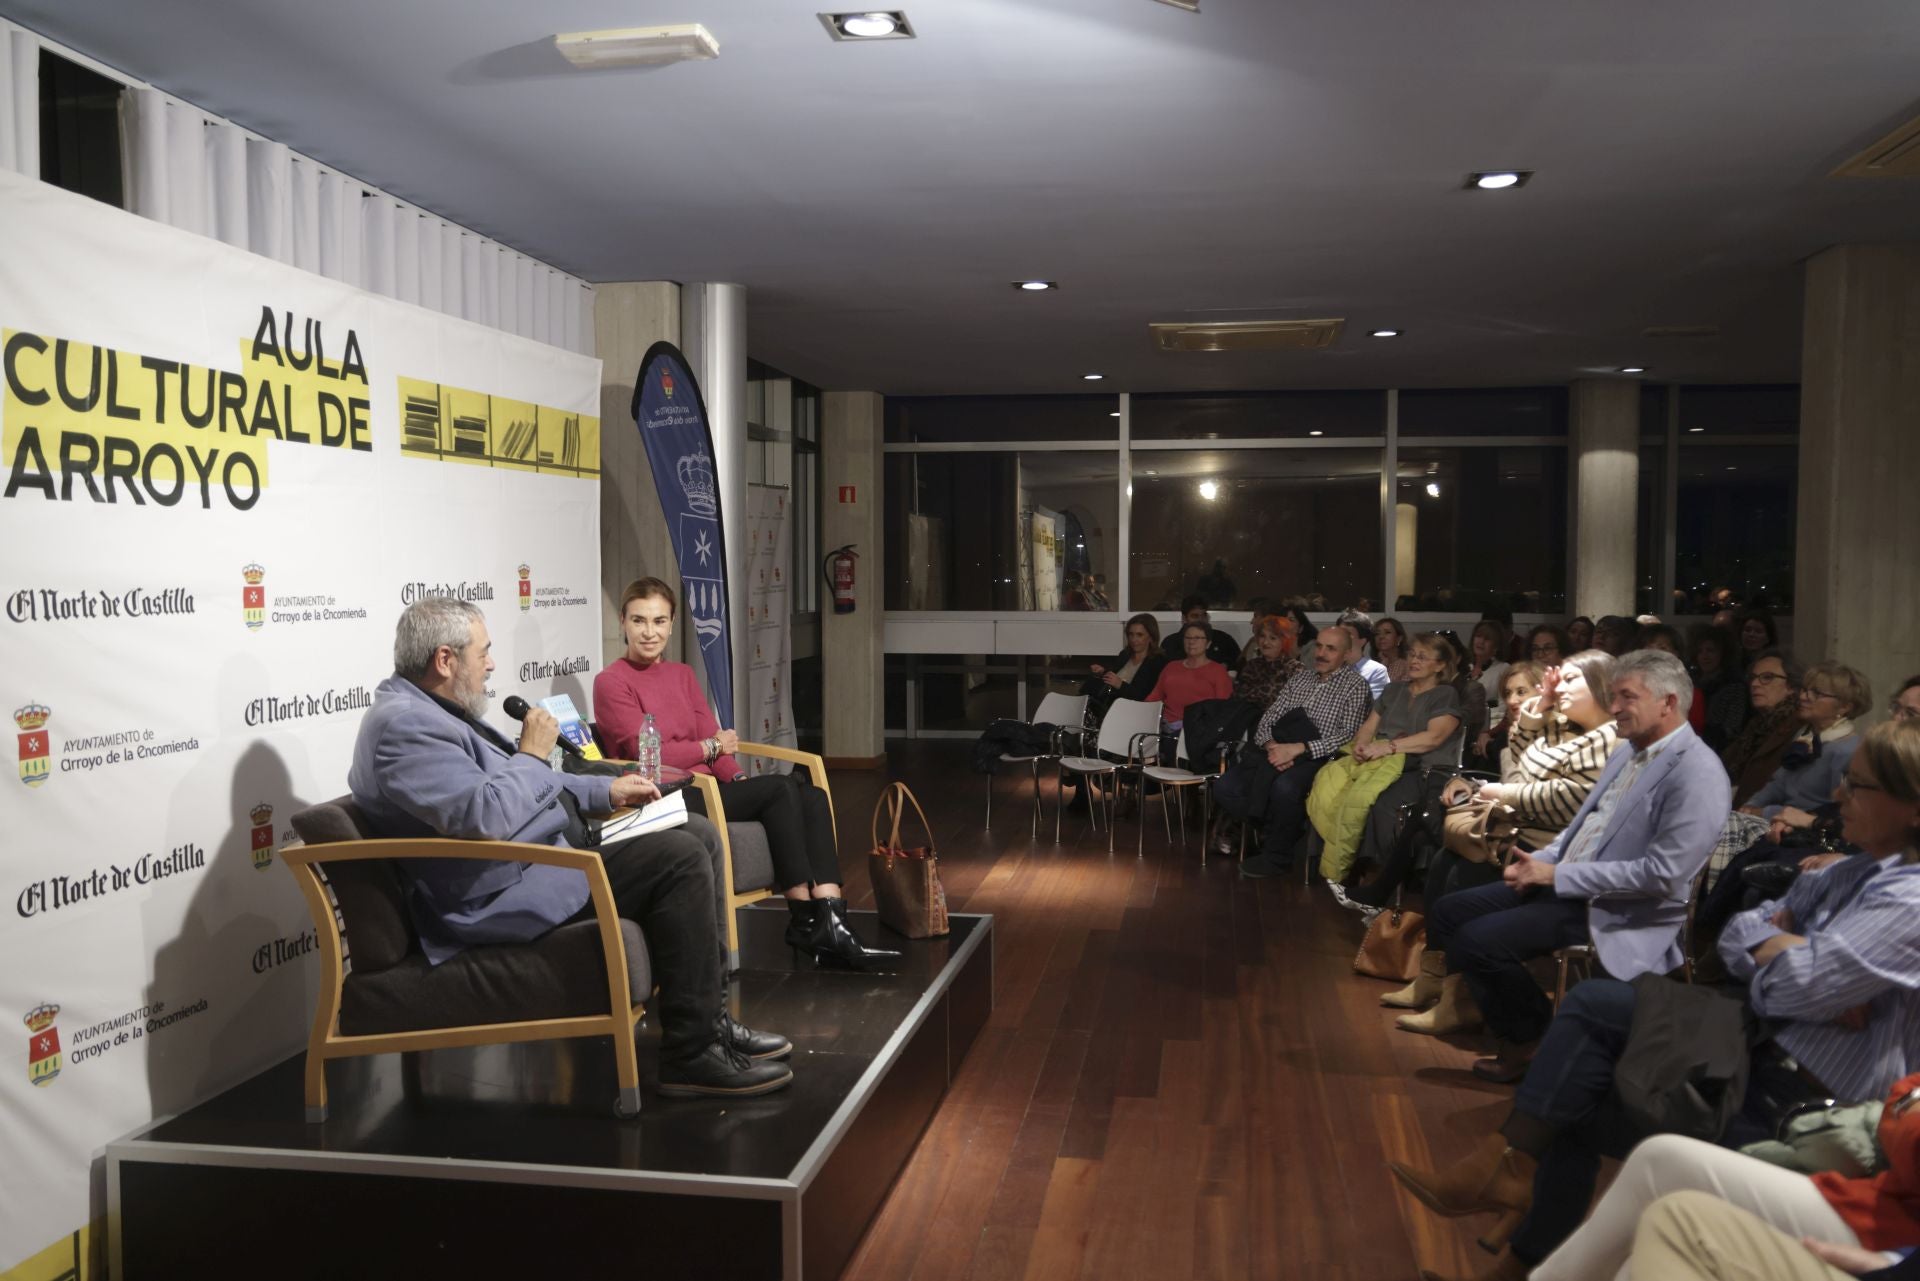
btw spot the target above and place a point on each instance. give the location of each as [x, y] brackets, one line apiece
[1660, 836]
[419, 770]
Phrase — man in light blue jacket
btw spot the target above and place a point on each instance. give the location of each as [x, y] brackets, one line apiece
[425, 764]
[1618, 877]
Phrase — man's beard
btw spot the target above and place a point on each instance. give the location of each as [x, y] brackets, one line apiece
[475, 702]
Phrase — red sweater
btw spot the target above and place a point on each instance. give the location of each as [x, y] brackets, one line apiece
[1180, 685]
[1884, 1209]
[624, 694]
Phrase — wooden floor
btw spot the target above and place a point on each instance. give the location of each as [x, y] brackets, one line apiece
[1182, 1078]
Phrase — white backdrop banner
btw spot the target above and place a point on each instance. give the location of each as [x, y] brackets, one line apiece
[224, 478]
[769, 714]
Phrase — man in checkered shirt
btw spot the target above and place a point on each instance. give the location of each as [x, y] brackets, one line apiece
[1336, 699]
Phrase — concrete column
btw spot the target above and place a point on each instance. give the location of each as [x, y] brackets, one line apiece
[1858, 525]
[852, 645]
[713, 327]
[628, 319]
[1604, 450]
[1406, 550]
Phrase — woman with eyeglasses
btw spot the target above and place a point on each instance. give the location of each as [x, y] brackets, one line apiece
[1830, 697]
[1193, 679]
[1906, 700]
[1547, 645]
[1835, 967]
[1773, 686]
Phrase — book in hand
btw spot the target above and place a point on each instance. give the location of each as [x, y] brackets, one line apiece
[573, 727]
[669, 811]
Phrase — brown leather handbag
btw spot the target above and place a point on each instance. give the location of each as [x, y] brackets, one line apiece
[1393, 946]
[1480, 831]
[906, 881]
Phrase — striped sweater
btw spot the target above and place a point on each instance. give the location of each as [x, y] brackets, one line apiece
[1549, 767]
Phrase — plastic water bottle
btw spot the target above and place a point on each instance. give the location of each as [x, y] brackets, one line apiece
[648, 752]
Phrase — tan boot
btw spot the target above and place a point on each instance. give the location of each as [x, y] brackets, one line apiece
[1425, 988]
[1491, 1177]
[1455, 1011]
[1504, 1268]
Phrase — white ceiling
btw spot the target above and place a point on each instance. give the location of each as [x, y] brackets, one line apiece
[1264, 157]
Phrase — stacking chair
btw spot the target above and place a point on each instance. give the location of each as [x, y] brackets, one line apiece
[1176, 779]
[1112, 755]
[1067, 713]
[1579, 957]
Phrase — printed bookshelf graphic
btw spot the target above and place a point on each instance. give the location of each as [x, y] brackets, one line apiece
[455, 425]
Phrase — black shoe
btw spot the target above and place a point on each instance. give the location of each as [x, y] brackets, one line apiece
[721, 1070]
[755, 1045]
[800, 923]
[1262, 867]
[833, 938]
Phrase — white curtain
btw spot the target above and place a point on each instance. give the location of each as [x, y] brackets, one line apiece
[193, 171]
[19, 101]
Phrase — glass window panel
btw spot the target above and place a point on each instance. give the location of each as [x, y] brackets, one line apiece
[966, 691]
[1002, 531]
[1739, 411]
[79, 129]
[1651, 543]
[1498, 411]
[1235, 524]
[1734, 524]
[893, 710]
[1283, 415]
[1482, 526]
[948, 419]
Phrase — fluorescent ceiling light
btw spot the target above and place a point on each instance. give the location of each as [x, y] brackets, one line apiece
[1316, 433]
[1384, 333]
[1036, 286]
[868, 24]
[1093, 378]
[1498, 179]
[1633, 369]
[637, 46]
[1696, 429]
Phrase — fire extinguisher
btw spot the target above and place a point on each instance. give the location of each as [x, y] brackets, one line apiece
[838, 570]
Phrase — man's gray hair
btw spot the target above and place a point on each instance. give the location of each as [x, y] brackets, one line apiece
[1661, 672]
[426, 626]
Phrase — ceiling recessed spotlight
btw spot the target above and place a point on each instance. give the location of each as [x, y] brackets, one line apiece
[1035, 286]
[1384, 333]
[1114, 414]
[1633, 369]
[1433, 489]
[868, 24]
[1209, 490]
[1694, 429]
[1093, 378]
[1498, 179]
[1316, 433]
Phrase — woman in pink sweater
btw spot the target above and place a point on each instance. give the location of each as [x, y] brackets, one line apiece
[1194, 679]
[796, 816]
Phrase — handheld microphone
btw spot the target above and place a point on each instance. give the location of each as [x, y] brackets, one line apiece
[516, 707]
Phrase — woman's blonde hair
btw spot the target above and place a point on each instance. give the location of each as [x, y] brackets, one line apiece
[1891, 753]
[1843, 682]
[1443, 653]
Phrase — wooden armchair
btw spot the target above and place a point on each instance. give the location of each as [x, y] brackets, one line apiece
[379, 994]
[746, 865]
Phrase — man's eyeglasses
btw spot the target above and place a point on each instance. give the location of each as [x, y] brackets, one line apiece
[1764, 678]
[1901, 712]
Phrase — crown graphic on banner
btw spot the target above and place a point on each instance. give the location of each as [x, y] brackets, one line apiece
[261, 815]
[41, 1017]
[525, 572]
[253, 574]
[696, 478]
[32, 716]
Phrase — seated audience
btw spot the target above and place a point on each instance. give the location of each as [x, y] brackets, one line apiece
[1133, 672]
[1668, 640]
[1193, 679]
[1694, 1236]
[1906, 700]
[1831, 695]
[1413, 717]
[1617, 877]
[1832, 969]
[1371, 671]
[1547, 645]
[1521, 682]
[1754, 755]
[1614, 634]
[1756, 632]
[1560, 743]
[1867, 1213]
[1314, 717]
[1390, 647]
[1221, 647]
[1717, 677]
[797, 816]
[1272, 663]
[1579, 634]
[426, 763]
[1487, 663]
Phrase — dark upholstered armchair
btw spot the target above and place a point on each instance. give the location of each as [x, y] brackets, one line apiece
[747, 868]
[379, 994]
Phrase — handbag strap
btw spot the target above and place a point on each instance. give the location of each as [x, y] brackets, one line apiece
[895, 801]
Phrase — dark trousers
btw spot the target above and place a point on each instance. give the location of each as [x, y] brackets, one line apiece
[1566, 1115]
[1255, 789]
[663, 882]
[798, 819]
[1489, 934]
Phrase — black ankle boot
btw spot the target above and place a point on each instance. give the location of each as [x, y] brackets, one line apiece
[800, 914]
[832, 939]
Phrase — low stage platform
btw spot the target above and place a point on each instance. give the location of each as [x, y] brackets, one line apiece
[508, 1160]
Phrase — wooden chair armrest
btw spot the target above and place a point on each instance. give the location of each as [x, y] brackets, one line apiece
[587, 861]
[816, 769]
